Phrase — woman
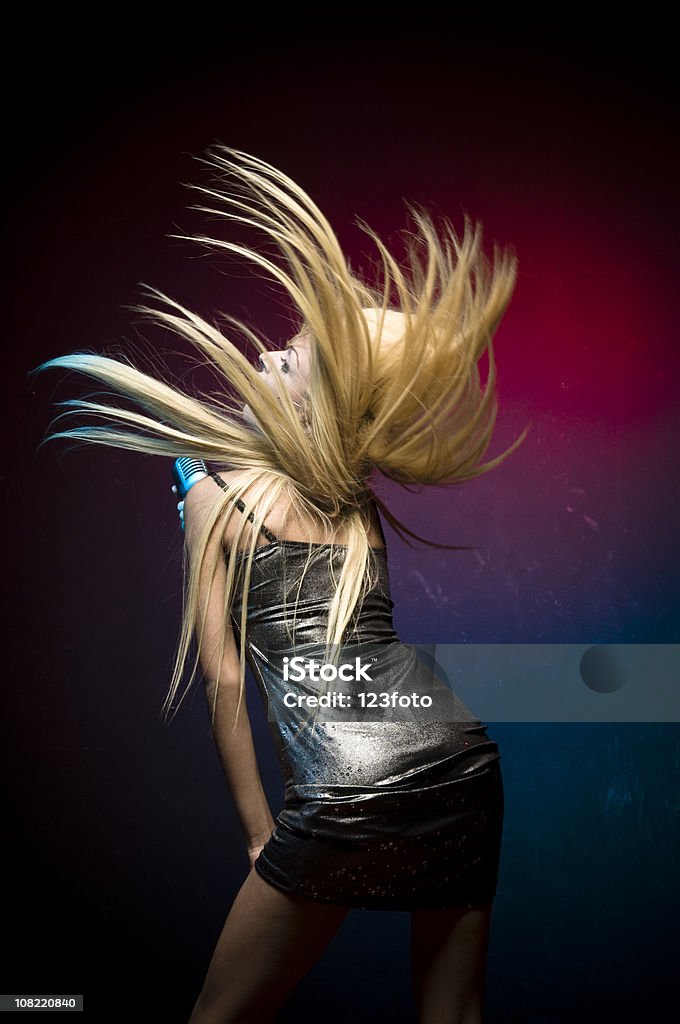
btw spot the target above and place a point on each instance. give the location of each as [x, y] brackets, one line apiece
[387, 805]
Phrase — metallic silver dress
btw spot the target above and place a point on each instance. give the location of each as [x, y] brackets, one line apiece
[396, 807]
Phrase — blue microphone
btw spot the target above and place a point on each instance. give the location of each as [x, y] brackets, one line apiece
[186, 472]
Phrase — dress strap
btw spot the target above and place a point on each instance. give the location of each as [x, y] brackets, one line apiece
[241, 507]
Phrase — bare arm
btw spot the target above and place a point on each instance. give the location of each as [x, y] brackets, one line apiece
[234, 745]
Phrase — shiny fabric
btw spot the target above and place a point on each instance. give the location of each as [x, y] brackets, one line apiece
[395, 808]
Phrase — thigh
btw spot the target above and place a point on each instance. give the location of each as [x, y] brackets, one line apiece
[448, 956]
[269, 941]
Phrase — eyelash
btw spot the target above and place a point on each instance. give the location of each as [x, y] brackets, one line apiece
[285, 366]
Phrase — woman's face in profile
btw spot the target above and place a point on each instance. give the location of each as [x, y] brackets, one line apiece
[292, 364]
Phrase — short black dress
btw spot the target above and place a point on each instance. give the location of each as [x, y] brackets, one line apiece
[387, 806]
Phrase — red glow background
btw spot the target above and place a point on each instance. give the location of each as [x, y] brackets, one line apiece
[575, 169]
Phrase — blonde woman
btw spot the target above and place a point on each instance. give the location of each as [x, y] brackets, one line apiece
[394, 803]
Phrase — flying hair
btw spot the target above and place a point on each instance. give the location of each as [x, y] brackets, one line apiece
[394, 385]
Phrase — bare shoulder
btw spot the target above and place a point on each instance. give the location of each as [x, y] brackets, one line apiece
[206, 491]
[204, 495]
[280, 520]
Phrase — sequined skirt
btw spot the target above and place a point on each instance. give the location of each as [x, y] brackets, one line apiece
[422, 847]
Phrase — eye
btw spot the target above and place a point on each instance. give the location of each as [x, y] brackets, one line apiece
[285, 366]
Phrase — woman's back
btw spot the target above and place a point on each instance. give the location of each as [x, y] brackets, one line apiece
[281, 521]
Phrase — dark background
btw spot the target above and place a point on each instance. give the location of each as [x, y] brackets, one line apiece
[121, 852]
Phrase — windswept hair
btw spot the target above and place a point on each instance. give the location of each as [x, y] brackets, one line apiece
[409, 404]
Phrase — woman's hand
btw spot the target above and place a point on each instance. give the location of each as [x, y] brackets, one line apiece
[255, 846]
[180, 506]
[253, 853]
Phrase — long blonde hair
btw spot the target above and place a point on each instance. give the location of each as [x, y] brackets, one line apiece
[407, 403]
